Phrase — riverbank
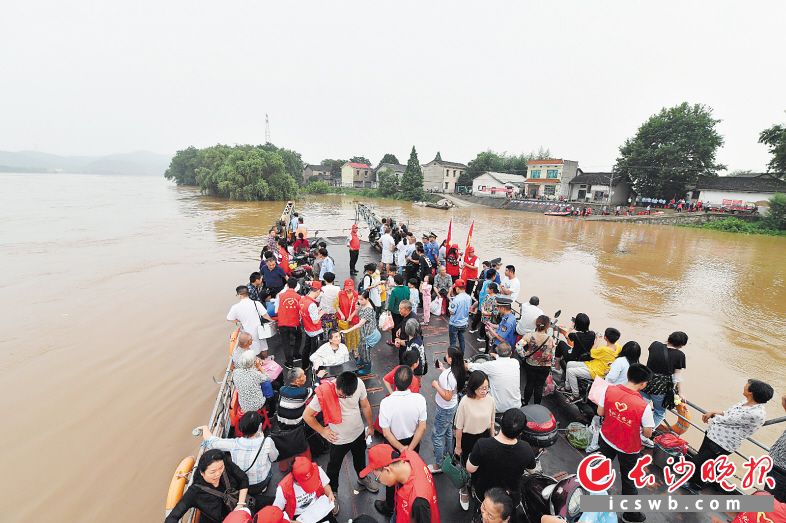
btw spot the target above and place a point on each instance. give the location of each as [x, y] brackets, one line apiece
[736, 225]
[313, 189]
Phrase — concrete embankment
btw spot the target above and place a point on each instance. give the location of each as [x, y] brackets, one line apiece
[668, 217]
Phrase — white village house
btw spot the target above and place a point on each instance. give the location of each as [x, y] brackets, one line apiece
[498, 185]
[753, 188]
[595, 188]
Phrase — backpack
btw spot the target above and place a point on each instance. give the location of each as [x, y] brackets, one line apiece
[361, 283]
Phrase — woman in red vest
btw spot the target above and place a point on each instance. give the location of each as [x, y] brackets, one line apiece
[354, 249]
[469, 272]
[416, 496]
[303, 486]
[347, 315]
[452, 258]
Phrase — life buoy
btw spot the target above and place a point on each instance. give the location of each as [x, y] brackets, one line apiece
[178, 484]
[233, 340]
[682, 424]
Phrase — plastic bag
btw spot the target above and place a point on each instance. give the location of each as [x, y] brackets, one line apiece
[579, 435]
[436, 306]
[550, 386]
[594, 427]
[385, 321]
[673, 442]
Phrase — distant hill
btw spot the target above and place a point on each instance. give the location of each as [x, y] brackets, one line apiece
[137, 163]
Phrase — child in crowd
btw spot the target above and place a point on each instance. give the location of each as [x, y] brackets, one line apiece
[414, 295]
[425, 291]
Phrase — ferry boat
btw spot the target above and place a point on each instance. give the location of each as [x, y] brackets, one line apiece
[559, 459]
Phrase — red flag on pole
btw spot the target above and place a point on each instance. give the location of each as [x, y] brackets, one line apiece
[447, 240]
[469, 235]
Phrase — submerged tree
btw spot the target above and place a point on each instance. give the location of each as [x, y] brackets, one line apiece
[243, 172]
[775, 139]
[671, 150]
[387, 183]
[412, 179]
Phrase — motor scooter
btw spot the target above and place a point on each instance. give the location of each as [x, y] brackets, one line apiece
[582, 403]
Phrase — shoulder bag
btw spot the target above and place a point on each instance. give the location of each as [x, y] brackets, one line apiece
[230, 495]
[265, 330]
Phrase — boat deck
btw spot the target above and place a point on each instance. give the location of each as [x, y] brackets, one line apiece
[561, 457]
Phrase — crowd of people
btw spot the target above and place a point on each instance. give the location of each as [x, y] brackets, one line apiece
[477, 420]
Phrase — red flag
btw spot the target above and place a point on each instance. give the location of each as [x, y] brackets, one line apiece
[469, 235]
[447, 240]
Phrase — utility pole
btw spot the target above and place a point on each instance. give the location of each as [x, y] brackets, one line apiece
[611, 187]
[267, 129]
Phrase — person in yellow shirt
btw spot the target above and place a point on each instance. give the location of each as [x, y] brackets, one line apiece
[603, 355]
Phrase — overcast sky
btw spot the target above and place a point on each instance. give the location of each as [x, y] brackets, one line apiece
[364, 78]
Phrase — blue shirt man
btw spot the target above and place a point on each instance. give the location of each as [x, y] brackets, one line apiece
[293, 222]
[273, 275]
[506, 330]
[459, 315]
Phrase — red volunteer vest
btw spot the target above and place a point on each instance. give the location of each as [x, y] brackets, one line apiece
[347, 305]
[419, 485]
[288, 308]
[285, 260]
[288, 488]
[308, 325]
[467, 273]
[622, 422]
[354, 242]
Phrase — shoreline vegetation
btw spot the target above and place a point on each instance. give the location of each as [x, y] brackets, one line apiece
[735, 225]
[320, 187]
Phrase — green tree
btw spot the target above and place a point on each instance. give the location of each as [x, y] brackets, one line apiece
[775, 139]
[776, 216]
[293, 162]
[671, 150]
[387, 183]
[182, 167]
[388, 158]
[317, 187]
[334, 166]
[412, 179]
[499, 162]
[360, 159]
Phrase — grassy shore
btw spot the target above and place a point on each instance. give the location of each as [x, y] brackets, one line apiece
[736, 225]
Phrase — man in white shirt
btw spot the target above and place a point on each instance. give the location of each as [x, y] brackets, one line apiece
[529, 313]
[504, 378]
[401, 255]
[510, 285]
[402, 416]
[246, 312]
[388, 248]
[331, 353]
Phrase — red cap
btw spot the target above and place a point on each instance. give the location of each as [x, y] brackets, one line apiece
[470, 249]
[306, 474]
[460, 283]
[271, 514]
[316, 284]
[379, 456]
[349, 284]
[354, 226]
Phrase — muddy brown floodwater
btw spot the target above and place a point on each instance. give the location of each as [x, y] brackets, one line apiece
[114, 292]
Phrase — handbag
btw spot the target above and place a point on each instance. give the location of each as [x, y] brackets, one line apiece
[455, 471]
[265, 329]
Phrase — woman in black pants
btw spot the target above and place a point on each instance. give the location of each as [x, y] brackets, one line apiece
[537, 351]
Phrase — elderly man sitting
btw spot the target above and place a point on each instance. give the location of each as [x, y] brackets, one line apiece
[504, 378]
[292, 399]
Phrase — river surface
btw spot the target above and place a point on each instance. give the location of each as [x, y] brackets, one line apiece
[114, 292]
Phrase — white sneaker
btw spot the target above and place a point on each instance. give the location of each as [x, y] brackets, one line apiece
[464, 498]
[434, 469]
[647, 442]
